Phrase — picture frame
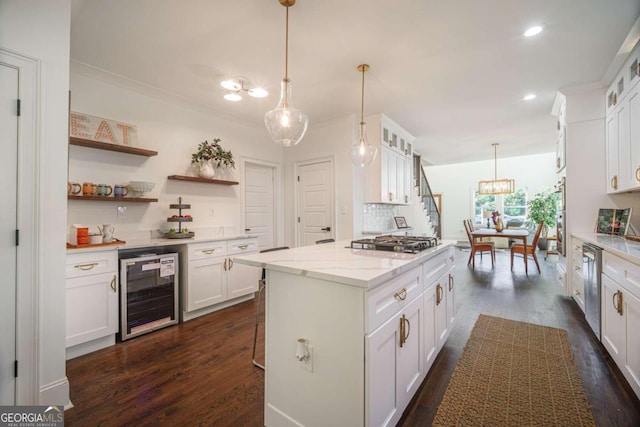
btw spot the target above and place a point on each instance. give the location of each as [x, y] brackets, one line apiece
[401, 222]
[613, 221]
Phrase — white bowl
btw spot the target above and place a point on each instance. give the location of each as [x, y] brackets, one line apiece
[141, 187]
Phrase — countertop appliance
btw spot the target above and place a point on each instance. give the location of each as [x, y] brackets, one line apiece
[591, 270]
[406, 244]
[148, 293]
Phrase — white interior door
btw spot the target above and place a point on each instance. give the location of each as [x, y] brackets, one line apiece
[8, 226]
[259, 218]
[315, 202]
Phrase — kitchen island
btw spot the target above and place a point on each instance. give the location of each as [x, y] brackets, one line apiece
[351, 333]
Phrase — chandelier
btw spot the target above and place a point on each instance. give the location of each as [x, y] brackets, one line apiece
[285, 123]
[237, 85]
[496, 186]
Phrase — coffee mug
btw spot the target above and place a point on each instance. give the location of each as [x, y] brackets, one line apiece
[120, 190]
[74, 188]
[89, 189]
[104, 190]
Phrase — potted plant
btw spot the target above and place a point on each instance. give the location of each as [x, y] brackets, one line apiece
[543, 208]
[211, 155]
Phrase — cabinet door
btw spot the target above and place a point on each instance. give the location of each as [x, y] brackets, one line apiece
[206, 284]
[241, 279]
[633, 100]
[92, 307]
[612, 322]
[612, 152]
[408, 179]
[410, 359]
[383, 408]
[392, 177]
[386, 157]
[450, 300]
[631, 312]
[442, 323]
[429, 328]
[625, 179]
[400, 179]
[577, 289]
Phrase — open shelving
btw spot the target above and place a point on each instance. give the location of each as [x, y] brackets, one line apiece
[204, 180]
[112, 199]
[111, 147]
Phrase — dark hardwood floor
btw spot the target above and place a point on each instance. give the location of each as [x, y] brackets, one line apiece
[200, 372]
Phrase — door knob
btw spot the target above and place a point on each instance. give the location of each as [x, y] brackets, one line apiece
[326, 229]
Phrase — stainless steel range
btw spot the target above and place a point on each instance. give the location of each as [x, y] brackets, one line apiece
[406, 244]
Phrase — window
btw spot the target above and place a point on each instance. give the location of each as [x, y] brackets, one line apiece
[511, 206]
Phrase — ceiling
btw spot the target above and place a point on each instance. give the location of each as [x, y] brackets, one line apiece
[452, 73]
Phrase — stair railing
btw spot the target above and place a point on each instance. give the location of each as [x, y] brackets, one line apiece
[426, 196]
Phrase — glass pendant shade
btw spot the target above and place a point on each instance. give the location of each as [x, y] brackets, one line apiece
[363, 153]
[285, 123]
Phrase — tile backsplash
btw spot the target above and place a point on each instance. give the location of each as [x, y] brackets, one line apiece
[379, 217]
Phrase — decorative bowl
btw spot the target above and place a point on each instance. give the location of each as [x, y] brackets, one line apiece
[141, 187]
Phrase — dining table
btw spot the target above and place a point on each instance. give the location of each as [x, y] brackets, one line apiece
[520, 234]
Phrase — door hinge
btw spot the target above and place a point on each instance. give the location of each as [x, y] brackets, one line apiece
[15, 368]
[17, 237]
[18, 107]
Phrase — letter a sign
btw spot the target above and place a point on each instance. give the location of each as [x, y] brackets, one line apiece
[102, 130]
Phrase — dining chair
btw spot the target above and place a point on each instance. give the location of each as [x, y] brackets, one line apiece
[263, 283]
[518, 248]
[478, 247]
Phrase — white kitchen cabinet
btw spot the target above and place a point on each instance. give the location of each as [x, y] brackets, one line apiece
[211, 280]
[389, 177]
[91, 301]
[576, 285]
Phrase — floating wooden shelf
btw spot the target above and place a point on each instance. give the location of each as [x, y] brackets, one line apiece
[112, 199]
[205, 180]
[112, 147]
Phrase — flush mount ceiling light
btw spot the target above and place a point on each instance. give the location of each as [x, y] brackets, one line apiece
[236, 85]
[496, 186]
[533, 31]
[529, 97]
[363, 153]
[285, 123]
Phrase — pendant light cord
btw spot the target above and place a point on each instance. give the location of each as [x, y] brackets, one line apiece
[495, 162]
[286, 48]
[362, 101]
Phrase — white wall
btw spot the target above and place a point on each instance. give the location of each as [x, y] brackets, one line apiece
[457, 182]
[40, 30]
[333, 138]
[173, 129]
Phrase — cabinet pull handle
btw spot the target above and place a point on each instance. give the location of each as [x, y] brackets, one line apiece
[113, 284]
[403, 329]
[406, 199]
[577, 292]
[577, 268]
[230, 263]
[401, 294]
[450, 282]
[452, 258]
[618, 296]
[390, 196]
[615, 99]
[638, 69]
[225, 264]
[86, 266]
[638, 173]
[243, 247]
[438, 294]
[614, 182]
[208, 251]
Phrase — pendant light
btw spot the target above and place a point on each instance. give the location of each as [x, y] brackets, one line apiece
[286, 124]
[496, 186]
[363, 153]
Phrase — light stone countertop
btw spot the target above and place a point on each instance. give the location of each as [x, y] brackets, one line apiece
[337, 262]
[617, 245]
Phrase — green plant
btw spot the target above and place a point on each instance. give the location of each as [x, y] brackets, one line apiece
[213, 151]
[543, 208]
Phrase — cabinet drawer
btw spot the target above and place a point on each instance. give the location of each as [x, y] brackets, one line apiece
[207, 250]
[385, 301]
[435, 267]
[622, 271]
[242, 246]
[577, 290]
[90, 263]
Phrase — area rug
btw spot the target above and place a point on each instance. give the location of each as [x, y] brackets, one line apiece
[515, 374]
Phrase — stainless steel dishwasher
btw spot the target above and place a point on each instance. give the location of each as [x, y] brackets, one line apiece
[591, 269]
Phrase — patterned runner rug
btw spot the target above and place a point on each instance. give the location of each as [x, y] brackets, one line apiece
[515, 374]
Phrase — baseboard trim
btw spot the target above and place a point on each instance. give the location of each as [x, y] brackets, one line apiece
[55, 393]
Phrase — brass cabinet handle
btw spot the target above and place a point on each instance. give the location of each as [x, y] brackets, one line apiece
[450, 282]
[438, 294]
[406, 199]
[86, 266]
[576, 268]
[390, 196]
[243, 247]
[577, 292]
[638, 69]
[638, 173]
[225, 264]
[452, 258]
[401, 294]
[113, 284]
[208, 251]
[230, 263]
[615, 99]
[404, 336]
[618, 296]
[558, 124]
[614, 182]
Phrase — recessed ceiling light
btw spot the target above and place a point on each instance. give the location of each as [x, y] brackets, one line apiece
[533, 31]
[529, 97]
[232, 97]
